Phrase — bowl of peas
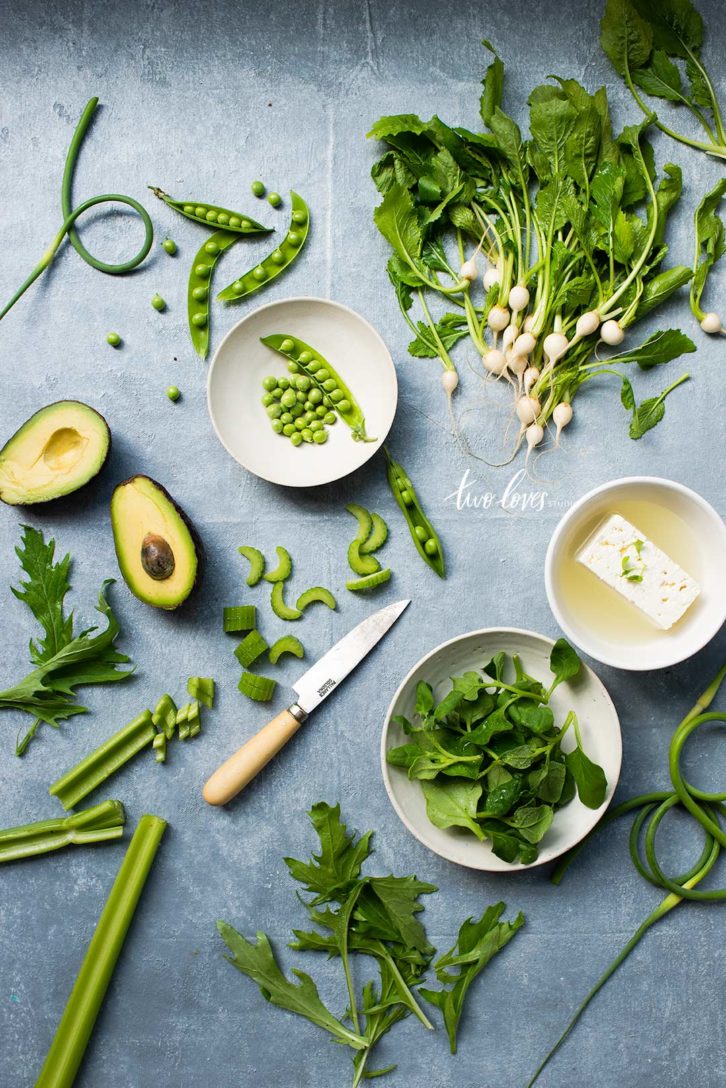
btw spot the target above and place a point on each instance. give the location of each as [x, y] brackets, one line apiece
[302, 391]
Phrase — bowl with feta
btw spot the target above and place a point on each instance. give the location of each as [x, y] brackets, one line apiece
[634, 573]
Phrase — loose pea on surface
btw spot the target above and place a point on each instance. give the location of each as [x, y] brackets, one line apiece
[270, 382]
[277, 393]
[316, 425]
[288, 429]
[274, 411]
[303, 383]
[321, 411]
[277, 426]
[309, 406]
[309, 417]
[158, 303]
[296, 438]
[113, 339]
[286, 417]
[268, 399]
[319, 437]
[169, 245]
[330, 418]
[300, 424]
[307, 434]
[296, 410]
[315, 396]
[173, 393]
[288, 398]
[284, 383]
[274, 199]
[258, 188]
[343, 405]
[300, 397]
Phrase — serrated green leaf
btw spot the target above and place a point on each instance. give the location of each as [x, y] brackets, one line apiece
[626, 38]
[329, 874]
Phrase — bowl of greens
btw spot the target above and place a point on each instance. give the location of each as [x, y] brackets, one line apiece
[501, 749]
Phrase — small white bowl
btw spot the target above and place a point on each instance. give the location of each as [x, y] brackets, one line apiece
[585, 694]
[234, 390]
[648, 649]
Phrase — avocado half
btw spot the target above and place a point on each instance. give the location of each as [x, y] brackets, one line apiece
[154, 541]
[56, 451]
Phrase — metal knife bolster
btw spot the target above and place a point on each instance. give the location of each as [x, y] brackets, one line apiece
[298, 713]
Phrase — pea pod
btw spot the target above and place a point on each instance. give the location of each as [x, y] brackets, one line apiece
[277, 261]
[200, 278]
[311, 363]
[211, 215]
[422, 531]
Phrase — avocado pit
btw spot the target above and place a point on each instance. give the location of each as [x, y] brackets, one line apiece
[157, 558]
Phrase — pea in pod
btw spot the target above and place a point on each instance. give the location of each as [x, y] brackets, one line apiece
[211, 215]
[422, 531]
[311, 363]
[277, 261]
[200, 278]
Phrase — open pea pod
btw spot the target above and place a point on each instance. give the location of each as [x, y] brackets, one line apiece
[200, 278]
[306, 360]
[422, 531]
[277, 261]
[211, 215]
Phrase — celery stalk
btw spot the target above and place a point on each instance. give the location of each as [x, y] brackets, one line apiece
[74, 1031]
[80, 780]
[100, 823]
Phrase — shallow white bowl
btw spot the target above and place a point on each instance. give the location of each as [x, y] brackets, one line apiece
[702, 620]
[585, 694]
[234, 390]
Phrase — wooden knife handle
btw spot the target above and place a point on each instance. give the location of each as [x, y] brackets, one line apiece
[234, 774]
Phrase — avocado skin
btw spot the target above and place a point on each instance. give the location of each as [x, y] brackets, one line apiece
[189, 525]
[87, 480]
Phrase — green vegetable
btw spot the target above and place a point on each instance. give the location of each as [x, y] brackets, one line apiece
[274, 199]
[114, 340]
[239, 618]
[201, 688]
[258, 188]
[288, 644]
[84, 1004]
[422, 532]
[644, 41]
[649, 412]
[319, 370]
[252, 646]
[317, 594]
[378, 536]
[710, 245]
[102, 823]
[159, 746]
[212, 214]
[173, 392]
[359, 563]
[158, 303]
[364, 519]
[62, 661]
[277, 601]
[200, 279]
[259, 688]
[651, 808]
[371, 581]
[280, 258]
[169, 245]
[283, 569]
[375, 918]
[489, 756]
[164, 717]
[70, 215]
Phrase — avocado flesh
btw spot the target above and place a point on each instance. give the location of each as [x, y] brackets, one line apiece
[55, 452]
[142, 508]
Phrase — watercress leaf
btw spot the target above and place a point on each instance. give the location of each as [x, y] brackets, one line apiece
[625, 37]
[532, 821]
[498, 722]
[448, 705]
[497, 775]
[424, 699]
[523, 756]
[507, 843]
[660, 288]
[537, 719]
[496, 666]
[492, 86]
[569, 789]
[589, 778]
[660, 78]
[550, 783]
[453, 804]
[397, 220]
[564, 662]
[470, 684]
[330, 873]
[473, 711]
[660, 347]
[676, 25]
[499, 801]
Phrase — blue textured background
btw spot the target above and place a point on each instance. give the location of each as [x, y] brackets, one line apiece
[201, 99]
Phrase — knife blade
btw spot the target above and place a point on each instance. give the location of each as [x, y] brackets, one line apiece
[311, 689]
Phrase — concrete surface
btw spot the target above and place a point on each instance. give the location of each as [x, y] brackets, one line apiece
[201, 99]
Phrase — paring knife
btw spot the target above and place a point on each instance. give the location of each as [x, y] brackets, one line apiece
[314, 686]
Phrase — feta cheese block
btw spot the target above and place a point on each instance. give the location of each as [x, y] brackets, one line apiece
[622, 557]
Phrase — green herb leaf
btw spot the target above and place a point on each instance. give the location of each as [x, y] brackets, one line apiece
[492, 87]
[453, 804]
[660, 347]
[589, 778]
[625, 37]
[564, 662]
[329, 874]
[398, 222]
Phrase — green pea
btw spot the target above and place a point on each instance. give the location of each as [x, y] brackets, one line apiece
[321, 374]
[307, 435]
[421, 533]
[300, 424]
[274, 199]
[169, 245]
[296, 410]
[294, 238]
[245, 224]
[320, 437]
[277, 256]
[189, 209]
[259, 273]
[113, 339]
[336, 394]
[293, 368]
[301, 398]
[296, 438]
[309, 416]
[406, 498]
[288, 429]
[211, 247]
[343, 406]
[321, 411]
[200, 293]
[268, 399]
[309, 406]
[303, 383]
[277, 393]
[327, 402]
[211, 216]
[315, 395]
[202, 270]
[200, 211]
[330, 418]
[288, 398]
[299, 216]
[258, 188]
[173, 393]
[269, 383]
[234, 220]
[316, 425]
[223, 218]
[287, 344]
[431, 547]
[277, 426]
[200, 320]
[284, 383]
[286, 417]
[158, 303]
[238, 285]
[274, 411]
[304, 357]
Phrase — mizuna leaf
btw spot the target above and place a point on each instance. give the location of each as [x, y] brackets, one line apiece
[44, 592]
[330, 873]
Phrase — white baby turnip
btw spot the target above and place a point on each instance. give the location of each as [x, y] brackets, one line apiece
[449, 380]
[611, 333]
[534, 435]
[469, 270]
[517, 363]
[711, 323]
[524, 344]
[531, 375]
[529, 323]
[527, 408]
[561, 416]
[587, 323]
[495, 361]
[498, 318]
[509, 336]
[491, 276]
[555, 345]
[518, 299]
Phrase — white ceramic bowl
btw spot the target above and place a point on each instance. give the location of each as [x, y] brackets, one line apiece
[234, 390]
[654, 649]
[599, 725]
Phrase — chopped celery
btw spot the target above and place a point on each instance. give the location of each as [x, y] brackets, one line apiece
[259, 688]
[201, 688]
[80, 780]
[316, 594]
[239, 618]
[252, 646]
[100, 823]
[288, 644]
